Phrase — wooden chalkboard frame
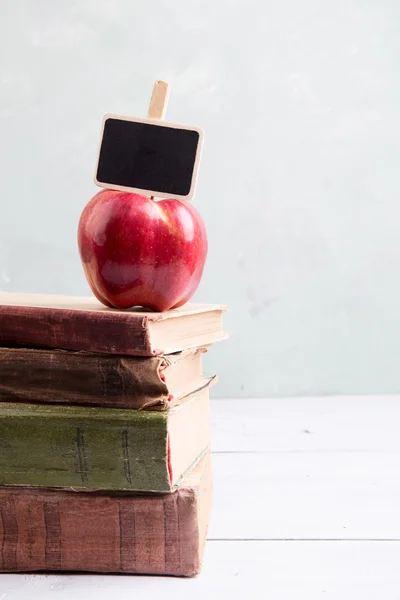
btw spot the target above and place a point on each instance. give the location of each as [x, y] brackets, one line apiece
[158, 123]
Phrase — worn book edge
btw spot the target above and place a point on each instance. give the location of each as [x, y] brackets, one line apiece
[90, 304]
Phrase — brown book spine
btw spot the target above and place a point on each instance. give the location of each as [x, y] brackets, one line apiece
[57, 376]
[98, 331]
[43, 530]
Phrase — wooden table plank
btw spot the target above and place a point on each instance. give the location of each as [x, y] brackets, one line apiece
[237, 570]
[327, 423]
[317, 495]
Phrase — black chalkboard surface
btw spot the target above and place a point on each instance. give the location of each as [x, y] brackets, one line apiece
[148, 156]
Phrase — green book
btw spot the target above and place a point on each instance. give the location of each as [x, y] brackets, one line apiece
[78, 447]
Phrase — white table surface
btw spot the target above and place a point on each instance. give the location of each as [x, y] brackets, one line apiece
[306, 505]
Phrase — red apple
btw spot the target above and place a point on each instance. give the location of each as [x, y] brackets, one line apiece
[140, 252]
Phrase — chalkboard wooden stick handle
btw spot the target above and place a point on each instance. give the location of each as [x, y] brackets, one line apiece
[159, 100]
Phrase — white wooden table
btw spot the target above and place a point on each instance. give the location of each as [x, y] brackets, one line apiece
[306, 505]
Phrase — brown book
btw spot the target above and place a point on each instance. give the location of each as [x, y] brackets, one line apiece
[82, 378]
[52, 530]
[80, 323]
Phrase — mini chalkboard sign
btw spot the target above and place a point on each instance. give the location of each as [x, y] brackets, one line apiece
[149, 155]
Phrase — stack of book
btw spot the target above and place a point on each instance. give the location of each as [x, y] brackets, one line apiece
[104, 436]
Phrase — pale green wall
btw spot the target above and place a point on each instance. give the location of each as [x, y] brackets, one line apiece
[299, 183]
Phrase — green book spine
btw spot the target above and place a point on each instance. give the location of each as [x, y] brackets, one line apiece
[84, 447]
